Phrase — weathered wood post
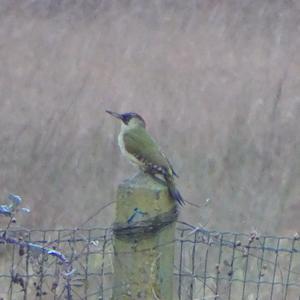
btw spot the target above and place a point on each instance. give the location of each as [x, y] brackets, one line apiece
[144, 233]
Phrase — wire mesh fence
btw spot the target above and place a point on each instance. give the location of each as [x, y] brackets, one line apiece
[77, 264]
[81, 268]
[227, 265]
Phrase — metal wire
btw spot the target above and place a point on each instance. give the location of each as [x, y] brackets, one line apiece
[77, 264]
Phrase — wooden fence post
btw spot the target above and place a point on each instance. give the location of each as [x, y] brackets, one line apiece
[144, 233]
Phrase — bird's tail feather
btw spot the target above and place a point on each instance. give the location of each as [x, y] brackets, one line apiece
[173, 191]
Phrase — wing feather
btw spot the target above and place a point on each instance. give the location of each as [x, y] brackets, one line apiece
[141, 145]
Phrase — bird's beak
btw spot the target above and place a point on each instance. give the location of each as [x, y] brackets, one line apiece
[114, 114]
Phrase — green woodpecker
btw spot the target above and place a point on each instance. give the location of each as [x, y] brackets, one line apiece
[140, 148]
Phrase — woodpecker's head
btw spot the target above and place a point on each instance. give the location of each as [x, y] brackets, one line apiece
[129, 119]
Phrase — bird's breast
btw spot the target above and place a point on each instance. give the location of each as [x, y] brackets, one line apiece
[129, 156]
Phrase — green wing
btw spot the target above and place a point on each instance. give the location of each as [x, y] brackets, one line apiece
[140, 144]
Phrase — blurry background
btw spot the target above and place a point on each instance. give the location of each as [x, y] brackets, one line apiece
[218, 83]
